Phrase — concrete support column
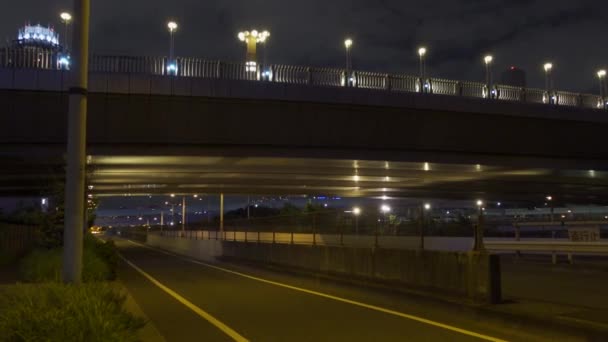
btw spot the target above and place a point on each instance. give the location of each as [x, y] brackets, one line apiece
[76, 149]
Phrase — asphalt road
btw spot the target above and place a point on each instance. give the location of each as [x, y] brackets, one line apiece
[189, 301]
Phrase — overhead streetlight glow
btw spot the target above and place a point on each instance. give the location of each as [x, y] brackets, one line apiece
[357, 211]
[348, 43]
[488, 59]
[385, 208]
[479, 203]
[65, 17]
[601, 73]
[172, 25]
[422, 51]
[548, 67]
[549, 198]
[427, 206]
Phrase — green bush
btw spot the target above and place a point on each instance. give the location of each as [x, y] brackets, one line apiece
[55, 312]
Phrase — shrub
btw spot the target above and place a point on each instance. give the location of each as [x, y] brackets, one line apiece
[55, 312]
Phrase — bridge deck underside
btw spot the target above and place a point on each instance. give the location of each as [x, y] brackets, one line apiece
[147, 175]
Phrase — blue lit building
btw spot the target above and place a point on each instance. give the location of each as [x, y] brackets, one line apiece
[36, 47]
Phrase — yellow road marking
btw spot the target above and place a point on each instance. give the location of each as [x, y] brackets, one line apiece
[218, 324]
[339, 299]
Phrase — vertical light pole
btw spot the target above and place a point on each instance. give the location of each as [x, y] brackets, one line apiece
[172, 65]
[601, 74]
[222, 214]
[478, 246]
[252, 38]
[548, 67]
[356, 212]
[66, 18]
[76, 148]
[384, 209]
[422, 54]
[426, 207]
[488, 62]
[348, 44]
[184, 213]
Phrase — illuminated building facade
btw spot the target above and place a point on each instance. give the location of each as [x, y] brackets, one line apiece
[37, 47]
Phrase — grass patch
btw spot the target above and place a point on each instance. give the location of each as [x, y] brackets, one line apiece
[56, 312]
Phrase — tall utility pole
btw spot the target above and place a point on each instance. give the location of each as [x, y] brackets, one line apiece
[76, 148]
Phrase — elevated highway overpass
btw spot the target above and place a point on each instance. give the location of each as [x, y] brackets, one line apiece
[159, 134]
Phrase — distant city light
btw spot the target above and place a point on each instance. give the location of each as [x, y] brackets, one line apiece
[172, 195]
[549, 198]
[479, 203]
[427, 206]
[385, 208]
[356, 210]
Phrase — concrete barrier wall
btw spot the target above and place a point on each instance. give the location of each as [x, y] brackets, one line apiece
[465, 274]
[206, 250]
[475, 276]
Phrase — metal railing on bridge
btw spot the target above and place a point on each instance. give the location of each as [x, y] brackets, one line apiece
[315, 76]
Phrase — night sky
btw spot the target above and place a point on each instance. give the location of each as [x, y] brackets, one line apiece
[524, 33]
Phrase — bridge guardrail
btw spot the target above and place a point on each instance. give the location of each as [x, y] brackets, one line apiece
[329, 77]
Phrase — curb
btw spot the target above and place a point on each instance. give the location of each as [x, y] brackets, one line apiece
[149, 332]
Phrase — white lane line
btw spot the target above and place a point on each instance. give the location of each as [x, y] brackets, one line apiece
[339, 299]
[218, 324]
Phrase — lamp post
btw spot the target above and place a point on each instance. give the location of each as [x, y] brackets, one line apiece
[488, 63]
[384, 209]
[426, 207]
[601, 74]
[548, 67]
[252, 38]
[66, 18]
[348, 44]
[424, 86]
[478, 246]
[172, 65]
[356, 212]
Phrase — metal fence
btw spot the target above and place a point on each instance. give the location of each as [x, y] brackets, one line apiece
[328, 77]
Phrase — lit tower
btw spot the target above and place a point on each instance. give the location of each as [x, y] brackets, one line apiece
[252, 38]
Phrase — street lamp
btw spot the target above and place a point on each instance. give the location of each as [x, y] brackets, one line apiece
[348, 43]
[601, 74]
[66, 18]
[422, 223]
[424, 86]
[549, 97]
[478, 246]
[356, 212]
[252, 38]
[490, 91]
[172, 65]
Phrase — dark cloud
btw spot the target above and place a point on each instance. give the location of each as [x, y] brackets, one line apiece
[458, 32]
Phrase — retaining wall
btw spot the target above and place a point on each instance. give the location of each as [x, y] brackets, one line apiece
[471, 275]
